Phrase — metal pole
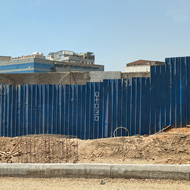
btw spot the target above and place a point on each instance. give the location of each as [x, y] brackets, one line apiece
[69, 72]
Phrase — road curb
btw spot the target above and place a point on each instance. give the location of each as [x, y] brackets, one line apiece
[136, 171]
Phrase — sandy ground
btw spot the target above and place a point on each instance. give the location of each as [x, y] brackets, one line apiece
[92, 184]
[171, 147]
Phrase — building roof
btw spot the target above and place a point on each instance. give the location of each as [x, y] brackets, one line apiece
[144, 62]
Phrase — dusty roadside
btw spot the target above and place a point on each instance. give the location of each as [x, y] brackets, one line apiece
[93, 184]
[171, 147]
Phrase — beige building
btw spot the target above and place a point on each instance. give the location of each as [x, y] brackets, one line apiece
[5, 58]
[141, 66]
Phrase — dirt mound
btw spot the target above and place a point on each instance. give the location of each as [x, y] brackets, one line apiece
[38, 149]
[171, 147]
[179, 130]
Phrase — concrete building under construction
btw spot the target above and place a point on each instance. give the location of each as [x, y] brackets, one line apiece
[70, 56]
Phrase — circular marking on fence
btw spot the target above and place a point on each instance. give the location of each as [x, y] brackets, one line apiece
[120, 128]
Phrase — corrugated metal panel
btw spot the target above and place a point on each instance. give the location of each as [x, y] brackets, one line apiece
[87, 111]
[170, 97]
[95, 110]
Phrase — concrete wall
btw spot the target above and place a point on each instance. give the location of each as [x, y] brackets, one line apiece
[134, 75]
[64, 78]
[137, 69]
[99, 76]
[45, 78]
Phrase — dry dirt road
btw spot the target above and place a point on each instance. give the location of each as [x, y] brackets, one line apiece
[92, 184]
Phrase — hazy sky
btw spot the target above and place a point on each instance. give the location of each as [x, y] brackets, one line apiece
[117, 31]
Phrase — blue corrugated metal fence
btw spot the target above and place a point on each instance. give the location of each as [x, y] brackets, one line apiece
[95, 110]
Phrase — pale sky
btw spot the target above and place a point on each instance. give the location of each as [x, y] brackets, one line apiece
[117, 31]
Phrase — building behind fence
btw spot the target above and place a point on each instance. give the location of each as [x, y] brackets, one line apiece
[95, 110]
